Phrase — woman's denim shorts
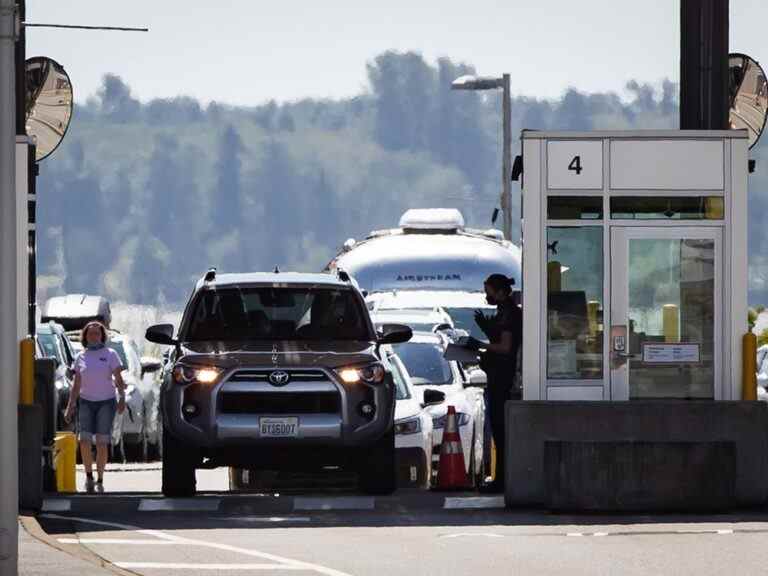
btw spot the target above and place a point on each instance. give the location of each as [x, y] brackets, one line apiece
[95, 420]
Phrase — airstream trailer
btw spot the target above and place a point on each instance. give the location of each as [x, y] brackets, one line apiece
[431, 259]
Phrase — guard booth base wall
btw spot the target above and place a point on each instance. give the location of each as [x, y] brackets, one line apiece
[634, 265]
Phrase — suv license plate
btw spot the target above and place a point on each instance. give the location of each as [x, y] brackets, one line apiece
[279, 427]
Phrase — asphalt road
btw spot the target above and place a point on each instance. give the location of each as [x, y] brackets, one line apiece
[410, 534]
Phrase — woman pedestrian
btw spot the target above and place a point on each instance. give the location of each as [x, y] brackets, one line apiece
[98, 381]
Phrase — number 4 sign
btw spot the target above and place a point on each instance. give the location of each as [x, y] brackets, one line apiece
[575, 164]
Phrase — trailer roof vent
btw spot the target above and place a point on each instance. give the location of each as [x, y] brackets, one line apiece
[435, 220]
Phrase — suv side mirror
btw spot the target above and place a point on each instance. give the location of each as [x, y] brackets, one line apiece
[395, 334]
[150, 365]
[477, 379]
[160, 334]
[432, 397]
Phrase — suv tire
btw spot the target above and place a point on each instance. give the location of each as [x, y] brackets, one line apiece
[376, 469]
[179, 464]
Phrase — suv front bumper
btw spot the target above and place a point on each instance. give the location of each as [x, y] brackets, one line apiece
[327, 411]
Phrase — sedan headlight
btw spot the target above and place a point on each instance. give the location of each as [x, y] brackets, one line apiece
[410, 426]
[461, 418]
[370, 374]
[184, 374]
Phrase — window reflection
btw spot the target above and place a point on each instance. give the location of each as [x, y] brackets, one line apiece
[671, 301]
[574, 303]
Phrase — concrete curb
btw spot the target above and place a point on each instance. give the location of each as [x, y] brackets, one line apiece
[269, 504]
[33, 528]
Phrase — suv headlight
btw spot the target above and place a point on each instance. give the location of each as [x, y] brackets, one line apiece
[184, 374]
[370, 374]
[461, 418]
[410, 426]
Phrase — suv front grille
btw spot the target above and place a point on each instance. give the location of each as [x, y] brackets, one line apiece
[263, 375]
[280, 403]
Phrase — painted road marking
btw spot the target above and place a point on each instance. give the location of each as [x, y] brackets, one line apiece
[267, 519]
[575, 534]
[279, 560]
[121, 541]
[342, 503]
[470, 534]
[216, 567]
[179, 504]
[56, 505]
[474, 503]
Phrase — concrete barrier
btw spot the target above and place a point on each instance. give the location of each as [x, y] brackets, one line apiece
[30, 426]
[642, 436]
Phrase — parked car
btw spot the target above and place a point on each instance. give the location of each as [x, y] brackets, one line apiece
[423, 357]
[762, 372]
[151, 382]
[277, 371]
[413, 427]
[53, 343]
[418, 319]
[129, 433]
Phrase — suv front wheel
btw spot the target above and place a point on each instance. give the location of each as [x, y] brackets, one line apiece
[179, 463]
[376, 466]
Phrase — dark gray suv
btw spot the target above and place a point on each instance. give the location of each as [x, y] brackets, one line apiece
[277, 371]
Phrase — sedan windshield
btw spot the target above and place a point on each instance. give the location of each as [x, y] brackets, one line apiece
[269, 313]
[425, 363]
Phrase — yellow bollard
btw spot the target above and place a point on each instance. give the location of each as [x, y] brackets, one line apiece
[749, 367]
[64, 461]
[27, 371]
[671, 323]
[554, 276]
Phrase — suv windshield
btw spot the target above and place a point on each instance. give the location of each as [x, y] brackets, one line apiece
[51, 346]
[425, 363]
[268, 313]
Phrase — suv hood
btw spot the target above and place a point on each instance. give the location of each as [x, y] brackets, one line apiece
[333, 354]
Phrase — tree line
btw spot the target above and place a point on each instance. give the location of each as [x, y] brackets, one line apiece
[142, 197]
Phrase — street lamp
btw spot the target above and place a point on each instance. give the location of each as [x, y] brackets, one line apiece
[486, 83]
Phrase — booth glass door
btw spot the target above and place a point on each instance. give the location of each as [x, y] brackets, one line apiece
[665, 313]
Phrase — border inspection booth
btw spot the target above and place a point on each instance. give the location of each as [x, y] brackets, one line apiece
[634, 311]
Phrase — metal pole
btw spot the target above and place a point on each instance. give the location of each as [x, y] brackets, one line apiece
[704, 100]
[506, 163]
[9, 254]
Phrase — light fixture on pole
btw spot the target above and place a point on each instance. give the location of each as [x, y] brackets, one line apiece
[490, 83]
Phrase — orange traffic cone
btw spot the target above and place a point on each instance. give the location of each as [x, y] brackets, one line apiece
[451, 474]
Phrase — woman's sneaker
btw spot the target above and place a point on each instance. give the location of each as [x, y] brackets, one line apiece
[89, 484]
[100, 486]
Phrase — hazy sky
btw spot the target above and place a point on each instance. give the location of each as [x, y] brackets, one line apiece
[250, 51]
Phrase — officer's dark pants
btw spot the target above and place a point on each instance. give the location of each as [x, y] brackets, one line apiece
[499, 391]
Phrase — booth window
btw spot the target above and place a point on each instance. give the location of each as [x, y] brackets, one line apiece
[671, 311]
[574, 303]
[680, 208]
[575, 208]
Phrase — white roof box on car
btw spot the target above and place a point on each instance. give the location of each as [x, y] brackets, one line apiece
[417, 219]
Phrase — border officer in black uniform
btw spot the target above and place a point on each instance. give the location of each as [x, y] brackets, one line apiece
[499, 360]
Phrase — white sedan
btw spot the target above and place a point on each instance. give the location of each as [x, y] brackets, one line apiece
[413, 428]
[429, 370]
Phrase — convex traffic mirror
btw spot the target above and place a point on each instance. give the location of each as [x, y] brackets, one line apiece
[49, 104]
[748, 94]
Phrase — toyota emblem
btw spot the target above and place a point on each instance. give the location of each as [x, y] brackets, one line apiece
[279, 378]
